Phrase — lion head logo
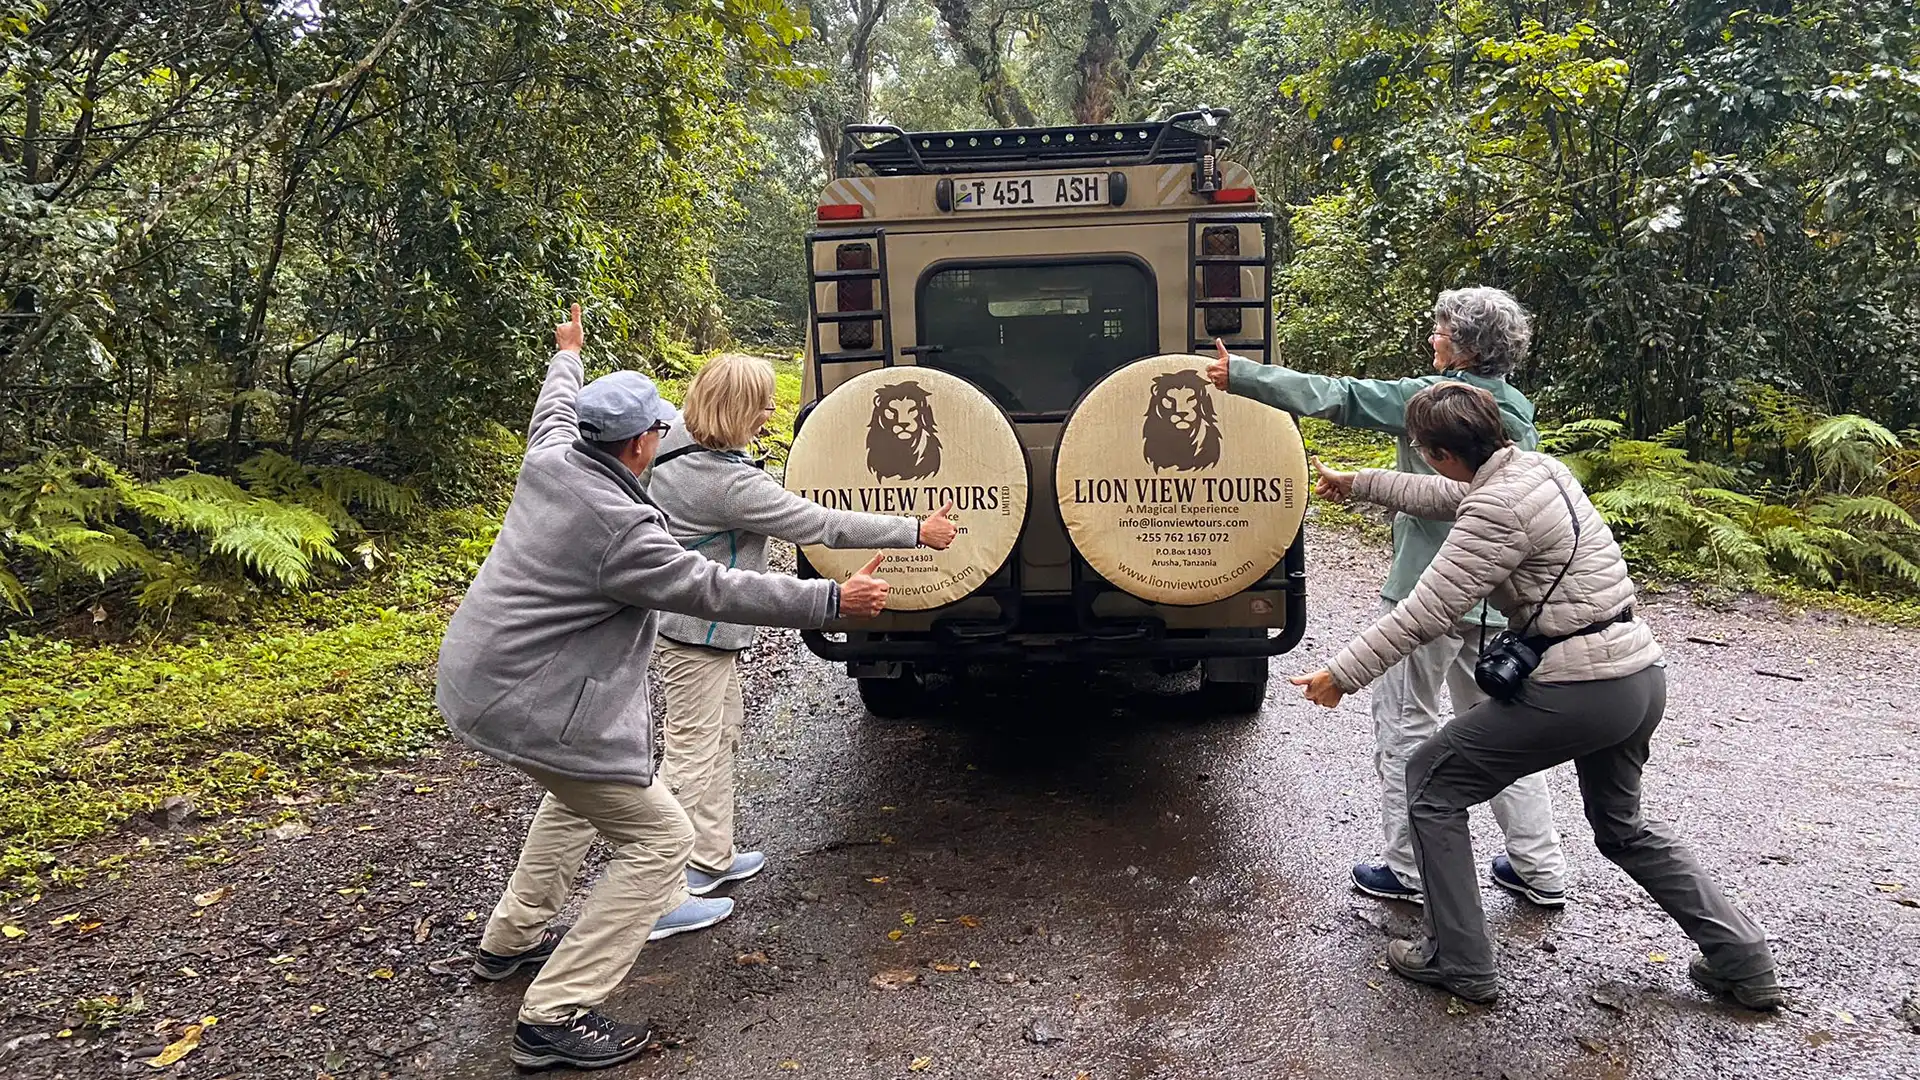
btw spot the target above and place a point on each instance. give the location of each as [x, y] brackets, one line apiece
[1181, 431]
[903, 441]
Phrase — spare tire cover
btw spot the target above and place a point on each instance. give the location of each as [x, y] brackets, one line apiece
[1175, 491]
[908, 440]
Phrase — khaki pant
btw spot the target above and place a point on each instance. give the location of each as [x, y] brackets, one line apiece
[645, 879]
[702, 736]
[1406, 713]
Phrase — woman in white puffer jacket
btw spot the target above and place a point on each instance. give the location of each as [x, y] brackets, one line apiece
[1525, 538]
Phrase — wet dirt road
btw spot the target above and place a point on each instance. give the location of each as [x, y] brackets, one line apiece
[1040, 878]
[1150, 894]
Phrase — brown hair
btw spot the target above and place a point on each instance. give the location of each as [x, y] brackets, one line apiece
[726, 401]
[1461, 419]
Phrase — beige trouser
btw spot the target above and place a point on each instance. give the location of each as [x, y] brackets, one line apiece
[645, 879]
[702, 736]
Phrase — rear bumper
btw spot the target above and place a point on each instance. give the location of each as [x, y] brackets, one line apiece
[1067, 631]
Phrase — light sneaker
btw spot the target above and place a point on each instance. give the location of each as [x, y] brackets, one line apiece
[1505, 876]
[1376, 879]
[745, 865]
[696, 913]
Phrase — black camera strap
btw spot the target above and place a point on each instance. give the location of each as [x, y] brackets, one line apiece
[1542, 644]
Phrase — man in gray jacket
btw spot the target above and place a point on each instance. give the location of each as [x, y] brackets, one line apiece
[544, 666]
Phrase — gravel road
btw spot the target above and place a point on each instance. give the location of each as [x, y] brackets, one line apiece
[1052, 878]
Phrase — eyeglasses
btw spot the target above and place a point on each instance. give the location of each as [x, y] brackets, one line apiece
[660, 426]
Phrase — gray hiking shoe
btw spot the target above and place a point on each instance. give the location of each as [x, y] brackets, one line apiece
[1414, 960]
[1760, 992]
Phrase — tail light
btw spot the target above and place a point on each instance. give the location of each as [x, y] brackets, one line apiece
[1221, 281]
[855, 294]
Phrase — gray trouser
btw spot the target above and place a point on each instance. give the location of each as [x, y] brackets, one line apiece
[1604, 728]
[1406, 713]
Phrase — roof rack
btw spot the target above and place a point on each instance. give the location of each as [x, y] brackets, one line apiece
[920, 153]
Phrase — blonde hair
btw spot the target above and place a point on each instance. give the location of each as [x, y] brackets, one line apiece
[726, 401]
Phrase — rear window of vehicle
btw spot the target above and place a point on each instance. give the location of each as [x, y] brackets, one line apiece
[1034, 336]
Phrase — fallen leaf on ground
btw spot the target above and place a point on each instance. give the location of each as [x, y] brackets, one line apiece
[187, 1043]
[316, 1010]
[946, 969]
[189, 973]
[894, 979]
[12, 931]
[751, 959]
[908, 918]
[423, 930]
[417, 884]
[1845, 1016]
[969, 922]
[973, 965]
[87, 927]
[881, 880]
[790, 1064]
[1657, 958]
[382, 973]
[470, 916]
[885, 839]
[920, 1064]
[423, 789]
[65, 919]
[896, 935]
[1456, 1007]
[284, 958]
[212, 897]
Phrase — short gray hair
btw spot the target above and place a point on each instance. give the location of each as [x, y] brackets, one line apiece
[1488, 325]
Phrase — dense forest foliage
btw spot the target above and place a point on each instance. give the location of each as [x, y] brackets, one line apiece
[272, 274]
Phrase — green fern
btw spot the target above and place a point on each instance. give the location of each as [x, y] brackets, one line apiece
[12, 593]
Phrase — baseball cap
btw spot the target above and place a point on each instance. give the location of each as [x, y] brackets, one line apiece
[621, 405]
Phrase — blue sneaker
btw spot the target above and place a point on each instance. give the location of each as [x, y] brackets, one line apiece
[745, 865]
[1376, 879]
[696, 913]
[1505, 876]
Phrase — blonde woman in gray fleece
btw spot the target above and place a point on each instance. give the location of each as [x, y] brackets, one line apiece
[722, 504]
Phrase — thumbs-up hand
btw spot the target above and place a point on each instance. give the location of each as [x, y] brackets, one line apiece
[1320, 688]
[1217, 368]
[1333, 484]
[569, 336]
[863, 596]
[938, 531]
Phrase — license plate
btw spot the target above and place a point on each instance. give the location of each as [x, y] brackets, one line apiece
[1019, 192]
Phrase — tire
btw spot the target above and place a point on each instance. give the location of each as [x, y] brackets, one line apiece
[892, 699]
[1232, 698]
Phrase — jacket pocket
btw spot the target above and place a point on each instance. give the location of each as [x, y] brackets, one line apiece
[582, 709]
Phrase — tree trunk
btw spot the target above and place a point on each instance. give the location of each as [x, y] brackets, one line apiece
[997, 92]
[1098, 75]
